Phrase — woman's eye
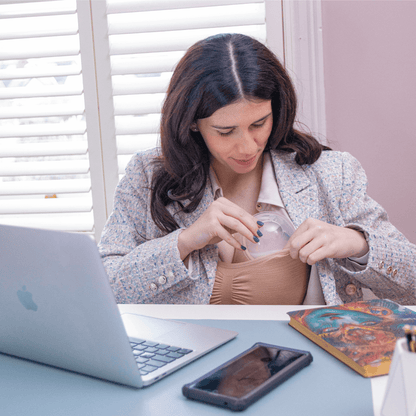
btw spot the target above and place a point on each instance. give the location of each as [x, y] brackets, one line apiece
[228, 133]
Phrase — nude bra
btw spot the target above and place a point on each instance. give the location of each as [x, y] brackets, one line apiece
[275, 279]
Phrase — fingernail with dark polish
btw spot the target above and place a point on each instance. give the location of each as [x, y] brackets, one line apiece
[259, 233]
[260, 223]
[243, 248]
[256, 239]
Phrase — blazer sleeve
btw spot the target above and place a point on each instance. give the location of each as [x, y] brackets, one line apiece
[143, 264]
[391, 269]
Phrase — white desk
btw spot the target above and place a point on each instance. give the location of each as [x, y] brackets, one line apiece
[228, 312]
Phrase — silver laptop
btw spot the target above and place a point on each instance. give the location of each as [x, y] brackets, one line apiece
[57, 308]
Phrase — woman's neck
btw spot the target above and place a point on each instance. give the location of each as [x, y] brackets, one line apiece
[242, 189]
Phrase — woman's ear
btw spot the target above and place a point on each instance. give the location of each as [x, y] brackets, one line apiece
[194, 127]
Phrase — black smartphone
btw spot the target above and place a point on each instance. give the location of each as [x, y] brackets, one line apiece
[250, 375]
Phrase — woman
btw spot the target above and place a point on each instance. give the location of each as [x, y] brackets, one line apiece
[229, 149]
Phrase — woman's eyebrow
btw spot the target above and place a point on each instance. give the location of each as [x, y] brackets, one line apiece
[233, 127]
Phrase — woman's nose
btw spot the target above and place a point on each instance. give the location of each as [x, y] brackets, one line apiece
[247, 144]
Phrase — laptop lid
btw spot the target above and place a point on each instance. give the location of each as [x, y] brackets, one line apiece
[57, 306]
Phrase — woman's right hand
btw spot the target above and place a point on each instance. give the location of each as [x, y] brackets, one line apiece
[222, 219]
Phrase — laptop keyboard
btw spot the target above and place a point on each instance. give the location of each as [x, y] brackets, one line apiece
[150, 355]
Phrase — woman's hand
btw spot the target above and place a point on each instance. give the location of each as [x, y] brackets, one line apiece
[217, 223]
[315, 240]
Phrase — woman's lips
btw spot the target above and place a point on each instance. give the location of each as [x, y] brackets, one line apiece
[245, 162]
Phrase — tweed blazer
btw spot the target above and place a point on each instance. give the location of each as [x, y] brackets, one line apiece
[144, 266]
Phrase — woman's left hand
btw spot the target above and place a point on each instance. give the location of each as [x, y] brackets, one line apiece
[315, 240]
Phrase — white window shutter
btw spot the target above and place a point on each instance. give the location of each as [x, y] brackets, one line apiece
[147, 39]
[82, 83]
[44, 167]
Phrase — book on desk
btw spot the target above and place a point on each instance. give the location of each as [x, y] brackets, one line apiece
[360, 334]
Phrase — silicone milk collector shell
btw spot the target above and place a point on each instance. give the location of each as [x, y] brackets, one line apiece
[276, 233]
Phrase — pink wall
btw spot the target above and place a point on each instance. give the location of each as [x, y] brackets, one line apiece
[370, 91]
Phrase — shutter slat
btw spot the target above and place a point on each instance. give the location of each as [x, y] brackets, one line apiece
[128, 145]
[46, 91]
[129, 6]
[42, 111]
[138, 125]
[45, 187]
[57, 71]
[145, 64]
[10, 149]
[45, 205]
[41, 8]
[123, 85]
[11, 3]
[44, 168]
[139, 104]
[36, 130]
[38, 34]
[26, 13]
[39, 48]
[213, 17]
[174, 41]
[32, 27]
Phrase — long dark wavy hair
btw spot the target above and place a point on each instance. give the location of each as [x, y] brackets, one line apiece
[213, 73]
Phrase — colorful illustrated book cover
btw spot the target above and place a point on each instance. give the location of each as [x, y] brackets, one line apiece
[360, 334]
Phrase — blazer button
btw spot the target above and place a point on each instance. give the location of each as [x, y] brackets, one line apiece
[389, 269]
[350, 289]
[153, 286]
[394, 272]
[381, 265]
[162, 280]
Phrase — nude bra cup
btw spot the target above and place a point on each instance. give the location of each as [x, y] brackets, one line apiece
[276, 279]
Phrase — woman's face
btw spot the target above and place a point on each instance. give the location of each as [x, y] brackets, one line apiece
[237, 134]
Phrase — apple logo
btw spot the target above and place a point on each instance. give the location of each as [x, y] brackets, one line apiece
[26, 299]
